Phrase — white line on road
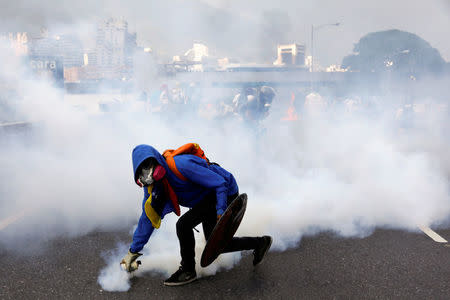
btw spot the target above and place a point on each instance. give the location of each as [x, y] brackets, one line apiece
[8, 221]
[436, 237]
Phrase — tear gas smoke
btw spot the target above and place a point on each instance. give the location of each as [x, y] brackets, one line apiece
[161, 257]
[348, 174]
[337, 171]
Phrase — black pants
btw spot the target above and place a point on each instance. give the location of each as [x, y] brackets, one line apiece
[205, 212]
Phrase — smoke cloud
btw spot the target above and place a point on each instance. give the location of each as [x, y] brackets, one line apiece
[348, 173]
[331, 170]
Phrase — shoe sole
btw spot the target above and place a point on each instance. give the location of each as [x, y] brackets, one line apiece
[180, 283]
[265, 252]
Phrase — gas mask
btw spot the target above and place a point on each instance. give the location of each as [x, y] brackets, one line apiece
[146, 176]
[150, 173]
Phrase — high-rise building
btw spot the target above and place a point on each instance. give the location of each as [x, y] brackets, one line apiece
[18, 41]
[90, 57]
[71, 49]
[115, 48]
[68, 47]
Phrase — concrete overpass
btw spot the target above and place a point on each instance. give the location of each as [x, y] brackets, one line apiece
[283, 77]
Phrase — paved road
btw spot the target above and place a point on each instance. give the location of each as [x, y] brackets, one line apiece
[387, 264]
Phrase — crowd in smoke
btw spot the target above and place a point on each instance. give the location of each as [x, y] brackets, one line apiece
[249, 104]
[262, 106]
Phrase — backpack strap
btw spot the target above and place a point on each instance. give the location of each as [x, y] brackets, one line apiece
[168, 155]
[172, 196]
[190, 148]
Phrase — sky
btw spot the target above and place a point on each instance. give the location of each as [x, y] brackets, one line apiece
[248, 30]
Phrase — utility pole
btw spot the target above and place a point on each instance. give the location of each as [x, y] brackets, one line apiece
[312, 40]
[312, 48]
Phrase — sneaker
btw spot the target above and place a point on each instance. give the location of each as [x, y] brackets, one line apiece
[260, 252]
[181, 277]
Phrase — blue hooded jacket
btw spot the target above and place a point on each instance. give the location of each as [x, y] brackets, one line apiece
[202, 179]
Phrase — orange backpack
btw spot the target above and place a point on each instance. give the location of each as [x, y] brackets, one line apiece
[190, 148]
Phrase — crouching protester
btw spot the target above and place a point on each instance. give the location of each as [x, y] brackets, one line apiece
[177, 179]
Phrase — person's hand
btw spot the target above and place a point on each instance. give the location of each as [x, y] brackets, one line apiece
[129, 261]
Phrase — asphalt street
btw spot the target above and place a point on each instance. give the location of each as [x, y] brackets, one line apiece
[386, 264]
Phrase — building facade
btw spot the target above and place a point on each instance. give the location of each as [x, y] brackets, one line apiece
[290, 55]
[68, 47]
[18, 41]
[115, 48]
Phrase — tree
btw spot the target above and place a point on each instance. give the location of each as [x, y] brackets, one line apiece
[393, 50]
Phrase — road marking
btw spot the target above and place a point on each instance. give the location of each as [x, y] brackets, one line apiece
[436, 237]
[8, 221]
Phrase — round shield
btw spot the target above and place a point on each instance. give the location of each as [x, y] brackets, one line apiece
[224, 230]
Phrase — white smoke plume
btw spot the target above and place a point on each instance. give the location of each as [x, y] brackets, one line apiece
[347, 173]
[328, 172]
[160, 256]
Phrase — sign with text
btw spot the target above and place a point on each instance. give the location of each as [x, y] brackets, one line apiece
[49, 68]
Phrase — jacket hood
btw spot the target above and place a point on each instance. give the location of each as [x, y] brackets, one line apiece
[141, 153]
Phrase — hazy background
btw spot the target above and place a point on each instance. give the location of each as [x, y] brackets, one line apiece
[244, 29]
